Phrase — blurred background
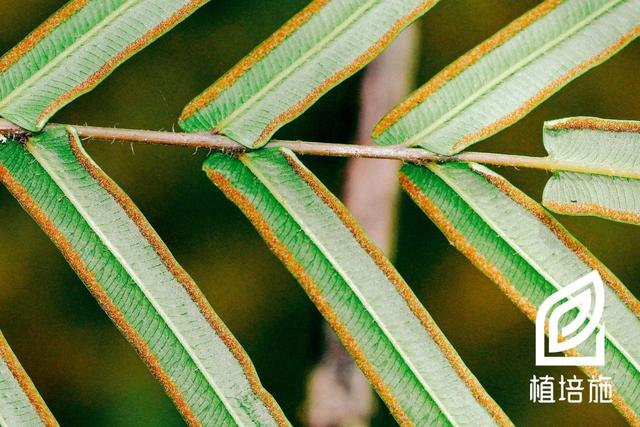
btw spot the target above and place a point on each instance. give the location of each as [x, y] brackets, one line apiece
[88, 373]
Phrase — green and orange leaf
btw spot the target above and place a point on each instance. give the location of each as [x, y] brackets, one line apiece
[503, 79]
[379, 320]
[610, 144]
[20, 402]
[318, 48]
[136, 280]
[75, 49]
[530, 256]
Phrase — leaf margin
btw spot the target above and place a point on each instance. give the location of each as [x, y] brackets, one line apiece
[9, 359]
[315, 293]
[459, 241]
[115, 313]
[204, 99]
[67, 11]
[473, 56]
[615, 178]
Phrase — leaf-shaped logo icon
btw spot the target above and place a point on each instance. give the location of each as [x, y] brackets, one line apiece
[582, 302]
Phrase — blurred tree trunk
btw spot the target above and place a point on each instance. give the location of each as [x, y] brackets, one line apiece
[338, 392]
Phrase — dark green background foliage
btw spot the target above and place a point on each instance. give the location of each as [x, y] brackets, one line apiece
[87, 372]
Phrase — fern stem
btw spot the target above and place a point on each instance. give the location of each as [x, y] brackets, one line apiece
[406, 154]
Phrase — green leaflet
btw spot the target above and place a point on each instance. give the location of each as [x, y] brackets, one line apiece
[137, 281]
[391, 336]
[592, 142]
[517, 244]
[504, 78]
[75, 49]
[612, 198]
[318, 48]
[20, 403]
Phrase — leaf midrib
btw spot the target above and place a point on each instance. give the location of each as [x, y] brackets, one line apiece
[542, 271]
[255, 98]
[508, 72]
[318, 242]
[69, 193]
[67, 52]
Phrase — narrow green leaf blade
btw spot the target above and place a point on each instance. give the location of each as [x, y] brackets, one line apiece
[391, 336]
[136, 280]
[612, 198]
[75, 49]
[593, 142]
[20, 402]
[517, 244]
[318, 48]
[504, 78]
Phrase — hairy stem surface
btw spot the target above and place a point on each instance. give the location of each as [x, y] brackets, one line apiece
[409, 155]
